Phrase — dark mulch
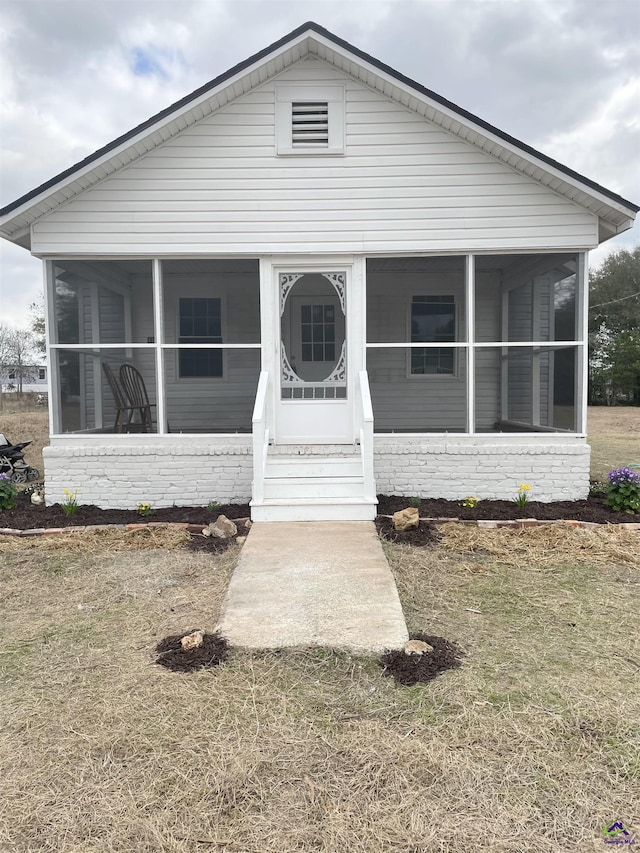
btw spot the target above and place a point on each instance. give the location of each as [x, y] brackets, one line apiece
[213, 651]
[25, 516]
[424, 534]
[591, 509]
[416, 669]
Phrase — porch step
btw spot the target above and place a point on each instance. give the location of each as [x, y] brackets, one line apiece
[313, 466]
[313, 487]
[298, 451]
[313, 483]
[314, 509]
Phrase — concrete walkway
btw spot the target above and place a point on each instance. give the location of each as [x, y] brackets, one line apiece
[311, 583]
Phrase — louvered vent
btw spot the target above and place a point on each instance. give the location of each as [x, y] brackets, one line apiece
[309, 123]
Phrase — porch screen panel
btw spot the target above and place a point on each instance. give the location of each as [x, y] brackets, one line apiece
[412, 301]
[103, 319]
[211, 344]
[531, 300]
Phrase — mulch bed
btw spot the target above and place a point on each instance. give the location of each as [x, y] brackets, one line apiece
[25, 516]
[416, 669]
[213, 651]
[592, 509]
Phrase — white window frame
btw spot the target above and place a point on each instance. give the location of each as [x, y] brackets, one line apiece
[223, 377]
[422, 377]
[333, 96]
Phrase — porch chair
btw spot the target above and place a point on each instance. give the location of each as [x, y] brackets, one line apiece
[136, 393]
[124, 412]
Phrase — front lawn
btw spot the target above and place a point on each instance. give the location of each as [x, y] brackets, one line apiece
[533, 744]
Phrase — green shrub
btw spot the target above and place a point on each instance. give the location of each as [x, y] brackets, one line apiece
[8, 492]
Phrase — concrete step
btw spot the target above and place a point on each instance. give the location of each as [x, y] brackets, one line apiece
[314, 509]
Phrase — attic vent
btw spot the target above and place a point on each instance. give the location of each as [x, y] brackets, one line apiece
[309, 123]
[310, 120]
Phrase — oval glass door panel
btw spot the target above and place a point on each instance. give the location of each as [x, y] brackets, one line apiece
[313, 343]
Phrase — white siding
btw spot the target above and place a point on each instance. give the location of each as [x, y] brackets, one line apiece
[402, 402]
[403, 184]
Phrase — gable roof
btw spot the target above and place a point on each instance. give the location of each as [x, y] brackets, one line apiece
[616, 214]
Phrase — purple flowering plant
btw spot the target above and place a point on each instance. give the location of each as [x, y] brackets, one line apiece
[8, 492]
[623, 490]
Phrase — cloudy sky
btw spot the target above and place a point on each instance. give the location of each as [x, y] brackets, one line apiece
[561, 75]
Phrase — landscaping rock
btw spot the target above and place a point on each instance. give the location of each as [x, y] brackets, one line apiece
[192, 641]
[417, 647]
[406, 519]
[221, 528]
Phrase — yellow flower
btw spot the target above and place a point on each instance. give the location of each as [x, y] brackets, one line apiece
[524, 487]
[66, 492]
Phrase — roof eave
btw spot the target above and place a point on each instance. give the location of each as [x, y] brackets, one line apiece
[616, 211]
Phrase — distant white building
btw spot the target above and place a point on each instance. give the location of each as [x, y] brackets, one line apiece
[34, 378]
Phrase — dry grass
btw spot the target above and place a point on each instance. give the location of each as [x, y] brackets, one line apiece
[550, 545]
[531, 746]
[614, 436]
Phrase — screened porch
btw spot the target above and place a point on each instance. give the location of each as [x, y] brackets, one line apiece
[451, 344]
[484, 344]
[106, 317]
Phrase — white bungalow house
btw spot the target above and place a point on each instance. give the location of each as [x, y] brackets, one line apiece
[332, 282]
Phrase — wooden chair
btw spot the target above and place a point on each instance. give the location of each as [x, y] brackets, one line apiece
[138, 399]
[124, 412]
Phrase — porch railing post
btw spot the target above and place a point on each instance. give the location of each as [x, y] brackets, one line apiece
[260, 436]
[158, 331]
[366, 437]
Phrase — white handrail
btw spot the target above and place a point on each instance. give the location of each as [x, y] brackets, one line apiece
[260, 437]
[366, 437]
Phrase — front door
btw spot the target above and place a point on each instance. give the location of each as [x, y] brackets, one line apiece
[313, 399]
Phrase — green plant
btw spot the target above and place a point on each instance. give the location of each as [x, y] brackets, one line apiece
[471, 501]
[414, 501]
[144, 508]
[8, 492]
[213, 506]
[70, 503]
[522, 498]
[623, 491]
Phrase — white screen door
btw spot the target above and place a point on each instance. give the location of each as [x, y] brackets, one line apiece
[313, 404]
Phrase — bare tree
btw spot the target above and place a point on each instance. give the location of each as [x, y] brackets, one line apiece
[17, 355]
